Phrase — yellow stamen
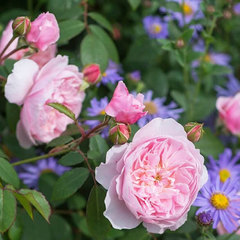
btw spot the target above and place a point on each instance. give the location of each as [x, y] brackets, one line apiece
[187, 10]
[47, 170]
[207, 58]
[158, 177]
[150, 107]
[102, 112]
[224, 175]
[157, 28]
[219, 201]
[104, 74]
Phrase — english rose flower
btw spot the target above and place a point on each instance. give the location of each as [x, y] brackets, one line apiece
[229, 112]
[154, 180]
[124, 107]
[44, 31]
[6, 37]
[57, 82]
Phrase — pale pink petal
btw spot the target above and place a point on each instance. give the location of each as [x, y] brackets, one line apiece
[107, 171]
[20, 81]
[22, 136]
[117, 212]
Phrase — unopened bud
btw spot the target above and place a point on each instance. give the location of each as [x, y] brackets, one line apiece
[21, 26]
[92, 73]
[227, 14]
[204, 219]
[120, 133]
[194, 131]
[180, 43]
[210, 9]
[84, 86]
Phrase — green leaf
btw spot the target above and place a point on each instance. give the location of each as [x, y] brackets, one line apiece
[76, 202]
[12, 112]
[69, 183]
[15, 231]
[107, 41]
[25, 203]
[101, 20]
[98, 144]
[8, 174]
[139, 233]
[210, 144]
[98, 225]
[174, 6]
[134, 3]
[8, 208]
[187, 35]
[63, 109]
[38, 201]
[3, 155]
[59, 141]
[71, 159]
[69, 29]
[92, 50]
[179, 98]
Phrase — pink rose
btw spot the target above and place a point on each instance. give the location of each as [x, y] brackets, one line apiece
[124, 107]
[154, 180]
[54, 82]
[44, 31]
[6, 37]
[229, 111]
[42, 57]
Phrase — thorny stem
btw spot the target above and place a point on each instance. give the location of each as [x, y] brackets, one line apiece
[13, 51]
[6, 47]
[84, 3]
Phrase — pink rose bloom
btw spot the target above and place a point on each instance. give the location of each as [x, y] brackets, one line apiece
[154, 180]
[6, 37]
[44, 31]
[42, 57]
[229, 112]
[124, 107]
[54, 82]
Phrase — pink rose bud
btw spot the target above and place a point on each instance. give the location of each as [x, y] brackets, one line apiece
[21, 26]
[44, 31]
[124, 107]
[120, 133]
[92, 73]
[194, 131]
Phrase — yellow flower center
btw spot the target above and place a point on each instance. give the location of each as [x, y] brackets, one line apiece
[157, 28]
[104, 74]
[47, 170]
[224, 174]
[207, 58]
[219, 201]
[151, 107]
[187, 10]
[158, 177]
[102, 112]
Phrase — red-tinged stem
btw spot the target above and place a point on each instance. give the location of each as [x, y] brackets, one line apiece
[13, 51]
[85, 14]
[6, 47]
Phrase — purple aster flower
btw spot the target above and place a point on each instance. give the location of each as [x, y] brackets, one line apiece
[222, 200]
[236, 8]
[226, 166]
[30, 173]
[232, 87]
[97, 109]
[204, 219]
[112, 74]
[135, 76]
[156, 108]
[155, 27]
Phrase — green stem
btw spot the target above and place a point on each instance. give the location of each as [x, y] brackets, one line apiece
[29, 160]
[188, 236]
[6, 47]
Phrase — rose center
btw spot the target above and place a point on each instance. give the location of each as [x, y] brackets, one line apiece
[156, 28]
[224, 175]
[219, 201]
[151, 107]
[187, 10]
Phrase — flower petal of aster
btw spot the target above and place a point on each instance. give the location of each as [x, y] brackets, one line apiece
[20, 81]
[117, 212]
[107, 171]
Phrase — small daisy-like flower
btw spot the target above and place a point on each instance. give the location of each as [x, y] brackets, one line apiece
[112, 74]
[226, 167]
[156, 108]
[155, 27]
[30, 173]
[232, 87]
[222, 201]
[236, 8]
[135, 76]
[97, 109]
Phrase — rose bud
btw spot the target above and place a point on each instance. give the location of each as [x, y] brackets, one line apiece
[204, 219]
[92, 73]
[21, 26]
[194, 131]
[120, 133]
[180, 43]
